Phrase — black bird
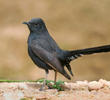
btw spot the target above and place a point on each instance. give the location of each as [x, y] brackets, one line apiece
[47, 55]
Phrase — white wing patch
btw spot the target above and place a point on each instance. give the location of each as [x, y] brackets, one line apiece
[75, 56]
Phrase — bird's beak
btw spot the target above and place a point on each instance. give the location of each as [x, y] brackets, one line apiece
[26, 23]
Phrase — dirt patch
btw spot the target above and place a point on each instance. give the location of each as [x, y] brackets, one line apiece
[81, 90]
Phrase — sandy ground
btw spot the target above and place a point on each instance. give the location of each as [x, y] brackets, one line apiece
[80, 90]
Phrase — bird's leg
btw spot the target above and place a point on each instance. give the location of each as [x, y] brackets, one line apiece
[44, 83]
[55, 78]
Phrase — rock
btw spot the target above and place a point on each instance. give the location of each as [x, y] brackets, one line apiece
[94, 85]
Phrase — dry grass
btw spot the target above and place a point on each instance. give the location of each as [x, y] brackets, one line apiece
[73, 23]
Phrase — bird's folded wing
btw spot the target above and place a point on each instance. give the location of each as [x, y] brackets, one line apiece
[47, 57]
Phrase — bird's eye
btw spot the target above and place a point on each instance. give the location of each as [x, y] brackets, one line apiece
[36, 25]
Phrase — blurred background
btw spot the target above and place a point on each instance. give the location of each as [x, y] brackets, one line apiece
[74, 24]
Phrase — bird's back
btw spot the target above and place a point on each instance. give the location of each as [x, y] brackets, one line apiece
[45, 41]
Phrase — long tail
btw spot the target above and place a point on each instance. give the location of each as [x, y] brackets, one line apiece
[78, 53]
[71, 55]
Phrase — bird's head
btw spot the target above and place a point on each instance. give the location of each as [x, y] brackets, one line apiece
[35, 25]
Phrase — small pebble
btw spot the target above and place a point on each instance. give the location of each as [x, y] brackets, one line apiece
[94, 85]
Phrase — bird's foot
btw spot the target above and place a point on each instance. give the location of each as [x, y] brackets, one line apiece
[43, 87]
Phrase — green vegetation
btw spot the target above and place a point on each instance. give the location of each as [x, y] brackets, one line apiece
[26, 98]
[49, 83]
[9, 81]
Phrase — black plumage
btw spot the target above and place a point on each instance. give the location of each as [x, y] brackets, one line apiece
[47, 55]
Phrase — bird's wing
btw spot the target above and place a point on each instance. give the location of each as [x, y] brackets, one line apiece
[49, 58]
